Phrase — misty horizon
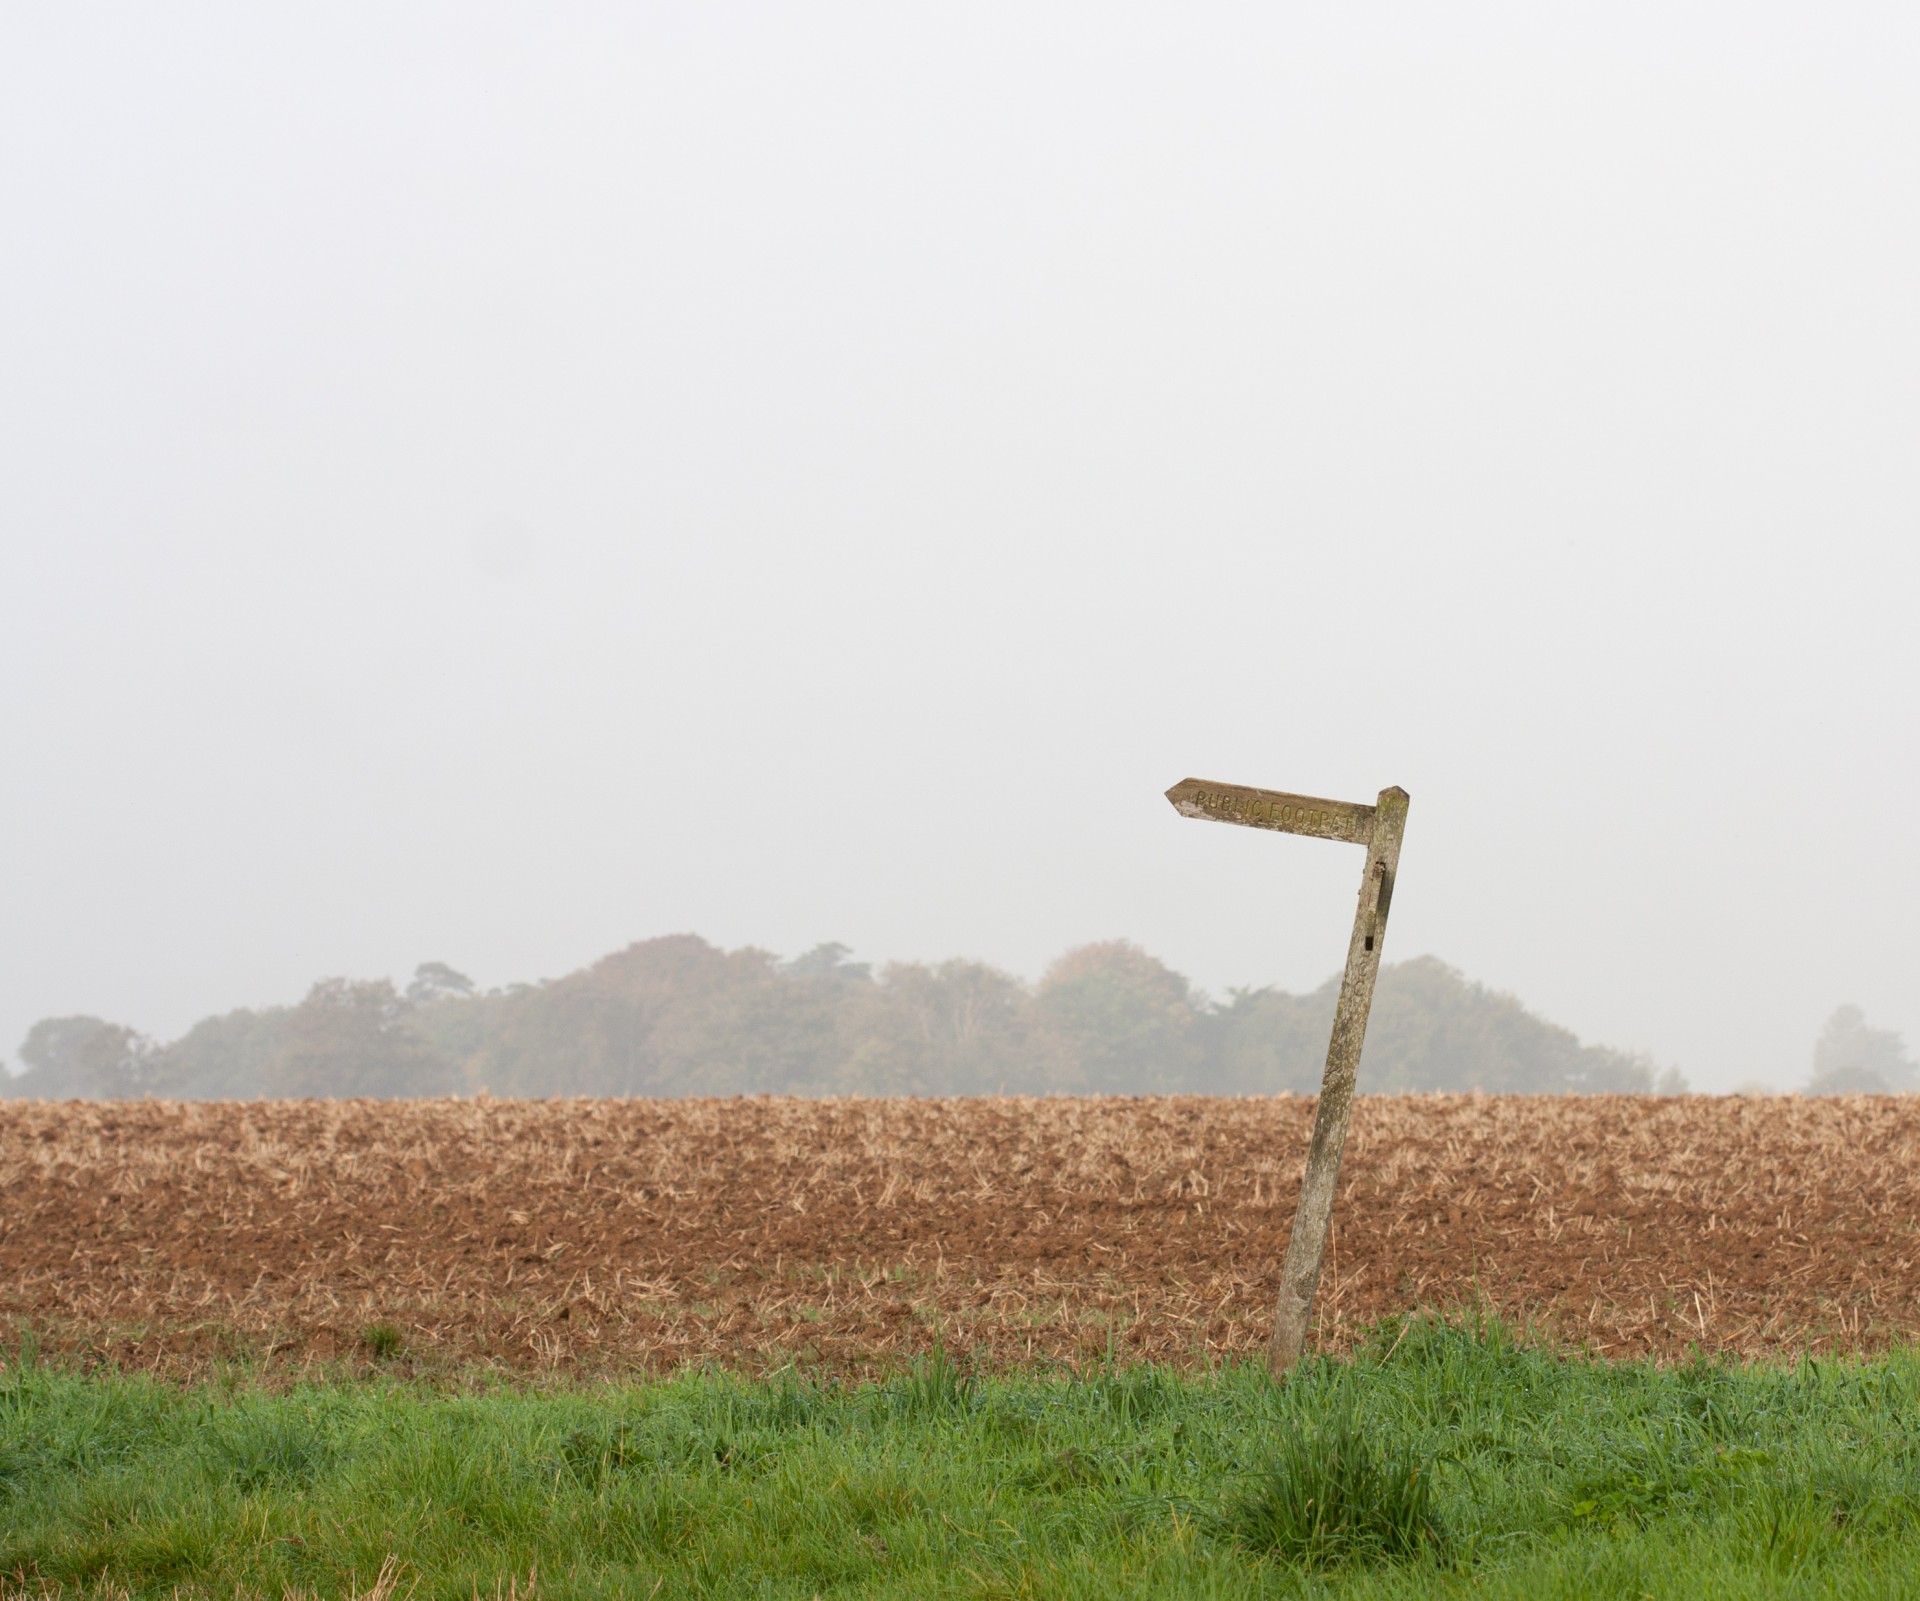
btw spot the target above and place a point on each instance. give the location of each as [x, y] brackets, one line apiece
[675, 1015]
[479, 484]
[497, 984]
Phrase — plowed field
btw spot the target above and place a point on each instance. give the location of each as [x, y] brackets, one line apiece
[596, 1234]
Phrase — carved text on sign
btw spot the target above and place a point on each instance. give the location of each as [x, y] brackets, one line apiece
[1271, 808]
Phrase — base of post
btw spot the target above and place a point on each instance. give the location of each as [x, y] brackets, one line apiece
[1289, 1336]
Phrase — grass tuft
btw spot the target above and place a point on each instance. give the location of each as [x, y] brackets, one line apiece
[1330, 1498]
[934, 1387]
[384, 1340]
[257, 1452]
[595, 1455]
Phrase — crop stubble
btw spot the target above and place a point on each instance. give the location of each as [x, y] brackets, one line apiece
[611, 1234]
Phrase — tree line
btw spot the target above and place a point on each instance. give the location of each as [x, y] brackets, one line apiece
[678, 1016]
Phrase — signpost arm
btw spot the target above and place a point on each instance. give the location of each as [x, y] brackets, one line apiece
[1308, 1244]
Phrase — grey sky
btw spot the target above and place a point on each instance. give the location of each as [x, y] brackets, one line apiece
[491, 483]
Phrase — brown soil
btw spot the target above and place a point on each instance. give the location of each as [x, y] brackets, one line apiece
[614, 1234]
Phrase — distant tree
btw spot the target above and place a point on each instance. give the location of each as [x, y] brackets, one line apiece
[1853, 1058]
[1430, 1029]
[434, 981]
[1267, 1042]
[85, 1058]
[352, 1038]
[829, 961]
[457, 1028]
[961, 1028]
[1434, 1030]
[1118, 1022]
[679, 1016]
[226, 1058]
[669, 1016]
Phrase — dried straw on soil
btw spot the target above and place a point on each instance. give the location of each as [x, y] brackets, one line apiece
[604, 1234]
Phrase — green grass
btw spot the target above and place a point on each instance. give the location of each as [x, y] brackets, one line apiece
[1445, 1460]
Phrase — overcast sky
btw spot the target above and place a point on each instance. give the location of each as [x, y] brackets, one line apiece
[491, 483]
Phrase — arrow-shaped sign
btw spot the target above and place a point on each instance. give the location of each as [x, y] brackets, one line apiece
[1272, 808]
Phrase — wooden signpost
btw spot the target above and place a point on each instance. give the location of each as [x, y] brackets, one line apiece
[1378, 827]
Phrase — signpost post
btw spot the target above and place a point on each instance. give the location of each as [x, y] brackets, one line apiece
[1378, 827]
